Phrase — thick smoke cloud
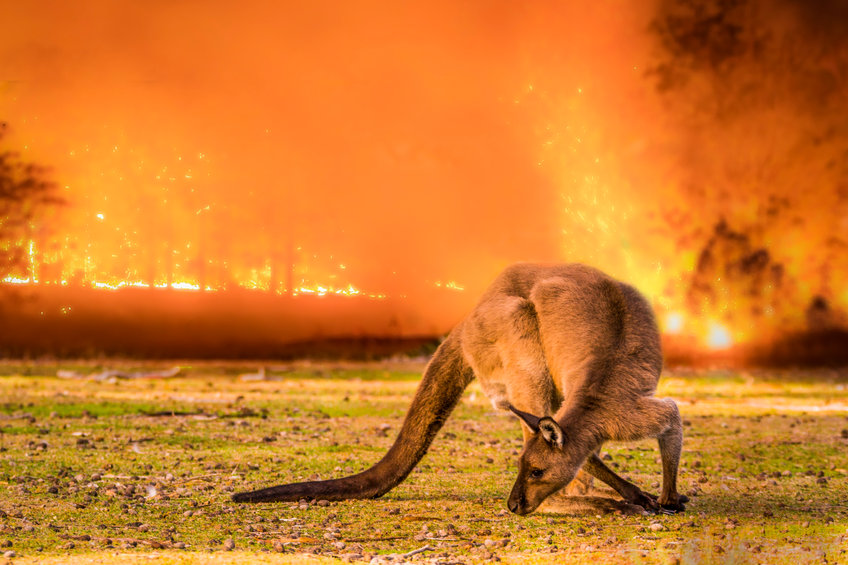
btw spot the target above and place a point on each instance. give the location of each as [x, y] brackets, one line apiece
[393, 146]
[405, 140]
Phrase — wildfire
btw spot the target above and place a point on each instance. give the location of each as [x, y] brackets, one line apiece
[711, 334]
[252, 279]
[674, 322]
[718, 337]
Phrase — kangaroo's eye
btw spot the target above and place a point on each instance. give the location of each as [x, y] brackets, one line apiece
[537, 473]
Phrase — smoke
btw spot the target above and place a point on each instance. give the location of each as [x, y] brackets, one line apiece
[755, 103]
[393, 146]
[407, 141]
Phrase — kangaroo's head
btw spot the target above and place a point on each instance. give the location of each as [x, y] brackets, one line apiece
[545, 465]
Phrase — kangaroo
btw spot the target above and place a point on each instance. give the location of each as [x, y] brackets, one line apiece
[573, 353]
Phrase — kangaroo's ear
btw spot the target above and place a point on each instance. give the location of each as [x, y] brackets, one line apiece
[529, 419]
[551, 431]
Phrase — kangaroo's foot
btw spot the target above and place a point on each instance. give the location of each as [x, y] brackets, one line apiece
[643, 499]
[650, 502]
[673, 503]
[628, 491]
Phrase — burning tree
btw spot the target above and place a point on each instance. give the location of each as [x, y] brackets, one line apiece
[757, 91]
[25, 194]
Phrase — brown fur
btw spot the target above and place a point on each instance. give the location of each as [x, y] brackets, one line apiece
[573, 352]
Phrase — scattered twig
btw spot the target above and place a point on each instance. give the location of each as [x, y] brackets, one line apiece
[245, 413]
[155, 544]
[417, 551]
[173, 413]
[366, 540]
[197, 478]
[275, 535]
[120, 374]
[411, 518]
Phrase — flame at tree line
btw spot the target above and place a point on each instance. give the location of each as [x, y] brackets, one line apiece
[695, 149]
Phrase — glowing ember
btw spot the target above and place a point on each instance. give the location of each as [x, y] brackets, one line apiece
[719, 337]
[185, 286]
[674, 323]
[452, 285]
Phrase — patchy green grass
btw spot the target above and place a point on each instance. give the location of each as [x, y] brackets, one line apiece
[119, 470]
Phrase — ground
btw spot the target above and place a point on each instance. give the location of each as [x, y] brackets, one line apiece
[140, 470]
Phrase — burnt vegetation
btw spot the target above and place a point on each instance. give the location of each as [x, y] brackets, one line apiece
[26, 194]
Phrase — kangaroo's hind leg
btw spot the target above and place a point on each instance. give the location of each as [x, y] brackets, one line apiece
[671, 446]
[659, 418]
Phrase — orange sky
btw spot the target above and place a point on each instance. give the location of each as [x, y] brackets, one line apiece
[386, 145]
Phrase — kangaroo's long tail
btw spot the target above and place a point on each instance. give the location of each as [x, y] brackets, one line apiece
[444, 380]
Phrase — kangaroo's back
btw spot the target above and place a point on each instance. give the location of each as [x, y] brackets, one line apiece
[588, 326]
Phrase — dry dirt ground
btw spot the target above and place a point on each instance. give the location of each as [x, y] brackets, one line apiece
[109, 469]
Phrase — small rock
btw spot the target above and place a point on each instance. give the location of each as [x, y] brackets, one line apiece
[656, 527]
[821, 481]
[229, 544]
[323, 503]
[9, 554]
[340, 545]
[278, 546]
[180, 545]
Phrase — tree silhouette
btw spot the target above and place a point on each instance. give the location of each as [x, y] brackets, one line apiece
[25, 193]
